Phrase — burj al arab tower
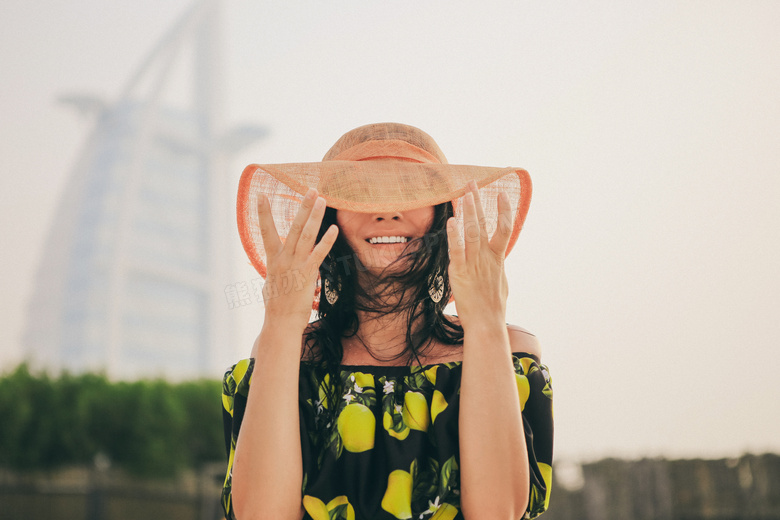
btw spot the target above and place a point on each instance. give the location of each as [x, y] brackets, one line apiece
[129, 280]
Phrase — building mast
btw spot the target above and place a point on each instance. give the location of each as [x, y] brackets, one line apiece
[130, 279]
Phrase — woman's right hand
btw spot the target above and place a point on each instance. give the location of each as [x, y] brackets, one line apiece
[267, 471]
[293, 266]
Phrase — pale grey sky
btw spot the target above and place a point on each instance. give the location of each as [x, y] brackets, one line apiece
[648, 264]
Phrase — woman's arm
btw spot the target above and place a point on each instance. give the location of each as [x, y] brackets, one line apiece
[267, 468]
[495, 478]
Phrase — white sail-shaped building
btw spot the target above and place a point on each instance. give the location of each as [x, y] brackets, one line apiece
[129, 283]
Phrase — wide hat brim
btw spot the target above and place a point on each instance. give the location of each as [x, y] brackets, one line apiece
[369, 186]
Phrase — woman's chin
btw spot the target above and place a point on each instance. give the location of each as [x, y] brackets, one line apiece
[382, 265]
[379, 258]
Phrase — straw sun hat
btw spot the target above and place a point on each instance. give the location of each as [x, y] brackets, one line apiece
[378, 167]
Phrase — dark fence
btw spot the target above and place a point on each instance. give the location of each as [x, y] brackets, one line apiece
[745, 488]
[95, 495]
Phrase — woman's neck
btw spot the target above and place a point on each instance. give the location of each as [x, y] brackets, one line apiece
[380, 337]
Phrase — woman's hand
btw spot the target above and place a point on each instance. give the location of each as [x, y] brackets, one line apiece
[267, 470]
[476, 270]
[293, 266]
[489, 406]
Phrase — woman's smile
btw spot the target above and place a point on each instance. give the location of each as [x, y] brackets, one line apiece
[378, 239]
[387, 240]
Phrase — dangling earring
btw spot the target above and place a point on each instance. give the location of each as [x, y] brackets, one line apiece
[331, 294]
[436, 287]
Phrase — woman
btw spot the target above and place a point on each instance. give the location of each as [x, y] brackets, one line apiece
[385, 407]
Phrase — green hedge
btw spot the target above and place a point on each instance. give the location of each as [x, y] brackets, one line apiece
[149, 428]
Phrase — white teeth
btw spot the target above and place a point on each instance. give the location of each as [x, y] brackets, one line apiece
[387, 240]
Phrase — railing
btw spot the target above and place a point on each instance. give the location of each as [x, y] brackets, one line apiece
[94, 495]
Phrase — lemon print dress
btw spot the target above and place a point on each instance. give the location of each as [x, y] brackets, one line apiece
[390, 448]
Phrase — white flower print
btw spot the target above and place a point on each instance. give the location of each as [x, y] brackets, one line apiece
[358, 390]
[432, 508]
[389, 387]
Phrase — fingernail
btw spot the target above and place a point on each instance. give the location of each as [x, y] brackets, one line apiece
[311, 193]
[473, 184]
[320, 202]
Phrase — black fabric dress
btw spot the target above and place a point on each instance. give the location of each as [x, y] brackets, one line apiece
[390, 451]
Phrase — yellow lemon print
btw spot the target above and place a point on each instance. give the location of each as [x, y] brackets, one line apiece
[227, 404]
[316, 508]
[239, 371]
[356, 425]
[445, 512]
[340, 501]
[319, 511]
[430, 374]
[438, 404]
[546, 470]
[523, 389]
[231, 458]
[526, 364]
[398, 496]
[387, 422]
[364, 380]
[416, 411]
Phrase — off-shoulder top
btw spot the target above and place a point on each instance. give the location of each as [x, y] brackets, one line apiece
[390, 450]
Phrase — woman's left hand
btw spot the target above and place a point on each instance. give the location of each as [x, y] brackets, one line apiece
[476, 270]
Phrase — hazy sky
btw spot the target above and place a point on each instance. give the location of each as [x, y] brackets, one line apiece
[648, 266]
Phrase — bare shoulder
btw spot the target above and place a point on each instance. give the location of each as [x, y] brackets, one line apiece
[522, 340]
[306, 350]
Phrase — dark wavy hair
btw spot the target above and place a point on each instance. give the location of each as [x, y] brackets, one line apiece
[395, 290]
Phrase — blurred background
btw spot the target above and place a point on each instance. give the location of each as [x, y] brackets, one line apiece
[647, 266]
